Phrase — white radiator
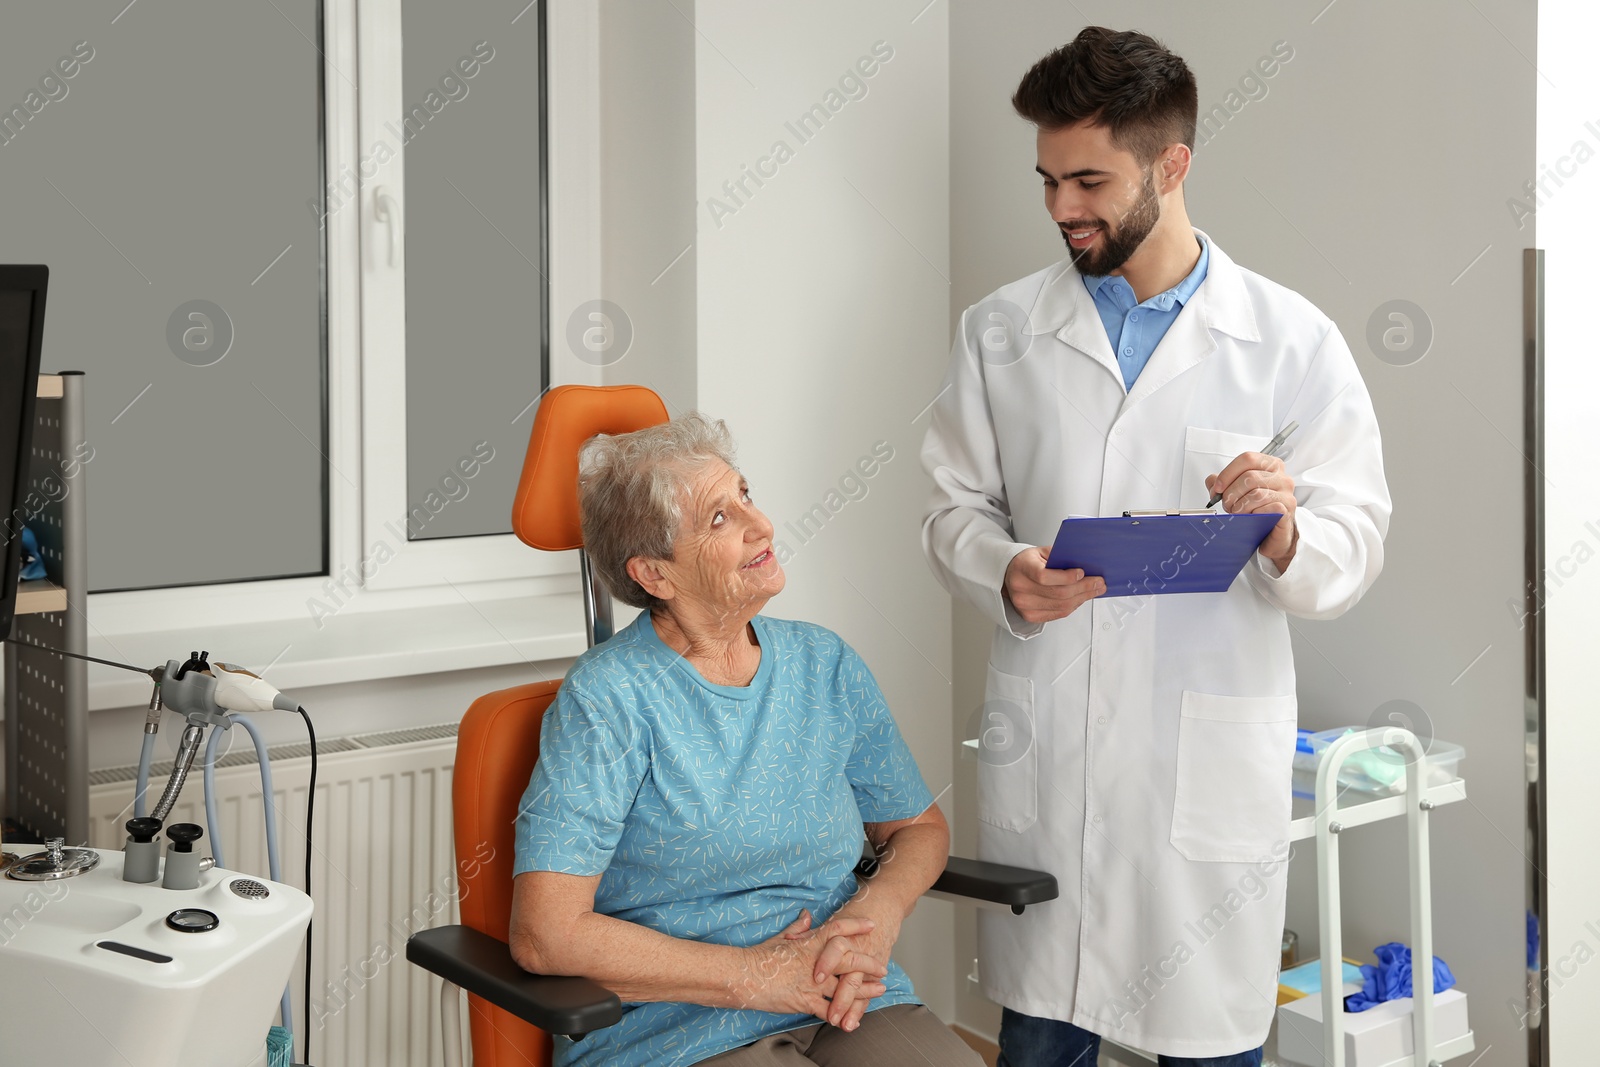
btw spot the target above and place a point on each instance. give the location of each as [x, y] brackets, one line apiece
[382, 869]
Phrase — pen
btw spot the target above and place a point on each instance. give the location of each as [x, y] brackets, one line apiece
[1271, 450]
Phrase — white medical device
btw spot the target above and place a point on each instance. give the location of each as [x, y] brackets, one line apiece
[138, 958]
[98, 970]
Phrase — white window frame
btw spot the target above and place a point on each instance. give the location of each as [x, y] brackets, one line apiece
[366, 397]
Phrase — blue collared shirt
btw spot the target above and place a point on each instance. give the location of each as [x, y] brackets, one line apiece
[1136, 329]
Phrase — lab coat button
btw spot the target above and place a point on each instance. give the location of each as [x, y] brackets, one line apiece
[1101, 720]
[1105, 626]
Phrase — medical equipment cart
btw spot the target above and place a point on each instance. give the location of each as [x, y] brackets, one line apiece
[1330, 820]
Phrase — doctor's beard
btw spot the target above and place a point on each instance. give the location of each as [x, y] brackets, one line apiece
[1116, 246]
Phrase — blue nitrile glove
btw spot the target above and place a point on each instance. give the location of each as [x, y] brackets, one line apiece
[1391, 978]
[32, 565]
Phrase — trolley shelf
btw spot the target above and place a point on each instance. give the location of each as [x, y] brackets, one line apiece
[1358, 809]
[40, 596]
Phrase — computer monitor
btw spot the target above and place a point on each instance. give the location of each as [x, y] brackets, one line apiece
[22, 291]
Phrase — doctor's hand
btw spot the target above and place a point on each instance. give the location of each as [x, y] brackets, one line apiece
[1043, 595]
[1253, 483]
[781, 975]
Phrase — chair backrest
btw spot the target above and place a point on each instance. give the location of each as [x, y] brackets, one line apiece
[498, 742]
[545, 514]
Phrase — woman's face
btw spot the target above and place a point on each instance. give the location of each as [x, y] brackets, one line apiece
[723, 564]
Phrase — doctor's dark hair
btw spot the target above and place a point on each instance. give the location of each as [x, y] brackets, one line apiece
[631, 491]
[1125, 81]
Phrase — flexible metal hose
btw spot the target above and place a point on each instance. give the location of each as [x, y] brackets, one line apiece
[147, 749]
[187, 749]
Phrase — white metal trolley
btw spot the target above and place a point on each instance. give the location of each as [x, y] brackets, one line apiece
[1326, 824]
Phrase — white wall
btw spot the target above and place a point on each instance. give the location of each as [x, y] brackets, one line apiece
[1568, 221]
[823, 304]
[1374, 165]
[648, 196]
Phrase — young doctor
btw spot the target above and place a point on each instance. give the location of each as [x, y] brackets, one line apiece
[1151, 736]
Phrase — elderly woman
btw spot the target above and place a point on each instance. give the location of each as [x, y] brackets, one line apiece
[689, 835]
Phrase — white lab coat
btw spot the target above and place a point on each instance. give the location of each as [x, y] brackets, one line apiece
[1151, 738]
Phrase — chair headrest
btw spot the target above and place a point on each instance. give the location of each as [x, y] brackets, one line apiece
[545, 514]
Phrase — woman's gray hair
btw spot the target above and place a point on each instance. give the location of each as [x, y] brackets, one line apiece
[631, 489]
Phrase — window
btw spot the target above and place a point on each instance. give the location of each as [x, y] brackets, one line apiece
[474, 259]
[310, 282]
[162, 179]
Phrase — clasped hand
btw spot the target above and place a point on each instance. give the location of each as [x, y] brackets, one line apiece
[786, 970]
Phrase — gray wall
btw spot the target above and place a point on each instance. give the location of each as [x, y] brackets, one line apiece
[1373, 166]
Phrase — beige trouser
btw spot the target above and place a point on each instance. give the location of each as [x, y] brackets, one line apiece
[899, 1034]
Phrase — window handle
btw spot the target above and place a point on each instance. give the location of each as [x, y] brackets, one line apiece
[386, 209]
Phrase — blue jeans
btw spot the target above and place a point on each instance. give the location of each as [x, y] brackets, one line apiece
[1029, 1042]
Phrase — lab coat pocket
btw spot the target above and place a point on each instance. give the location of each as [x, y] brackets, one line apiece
[1235, 765]
[1207, 451]
[1008, 753]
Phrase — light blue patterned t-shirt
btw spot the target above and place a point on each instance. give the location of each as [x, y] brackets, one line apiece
[713, 813]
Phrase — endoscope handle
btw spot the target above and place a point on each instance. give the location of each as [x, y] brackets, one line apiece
[241, 690]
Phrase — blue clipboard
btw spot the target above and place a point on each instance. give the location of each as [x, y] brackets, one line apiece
[1144, 555]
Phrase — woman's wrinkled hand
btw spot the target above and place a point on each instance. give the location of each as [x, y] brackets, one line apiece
[780, 974]
[877, 943]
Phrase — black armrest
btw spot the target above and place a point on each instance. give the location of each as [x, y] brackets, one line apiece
[483, 965]
[996, 883]
[1015, 887]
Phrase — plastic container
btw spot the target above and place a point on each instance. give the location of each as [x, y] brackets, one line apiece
[1379, 771]
[280, 1047]
[1378, 1037]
